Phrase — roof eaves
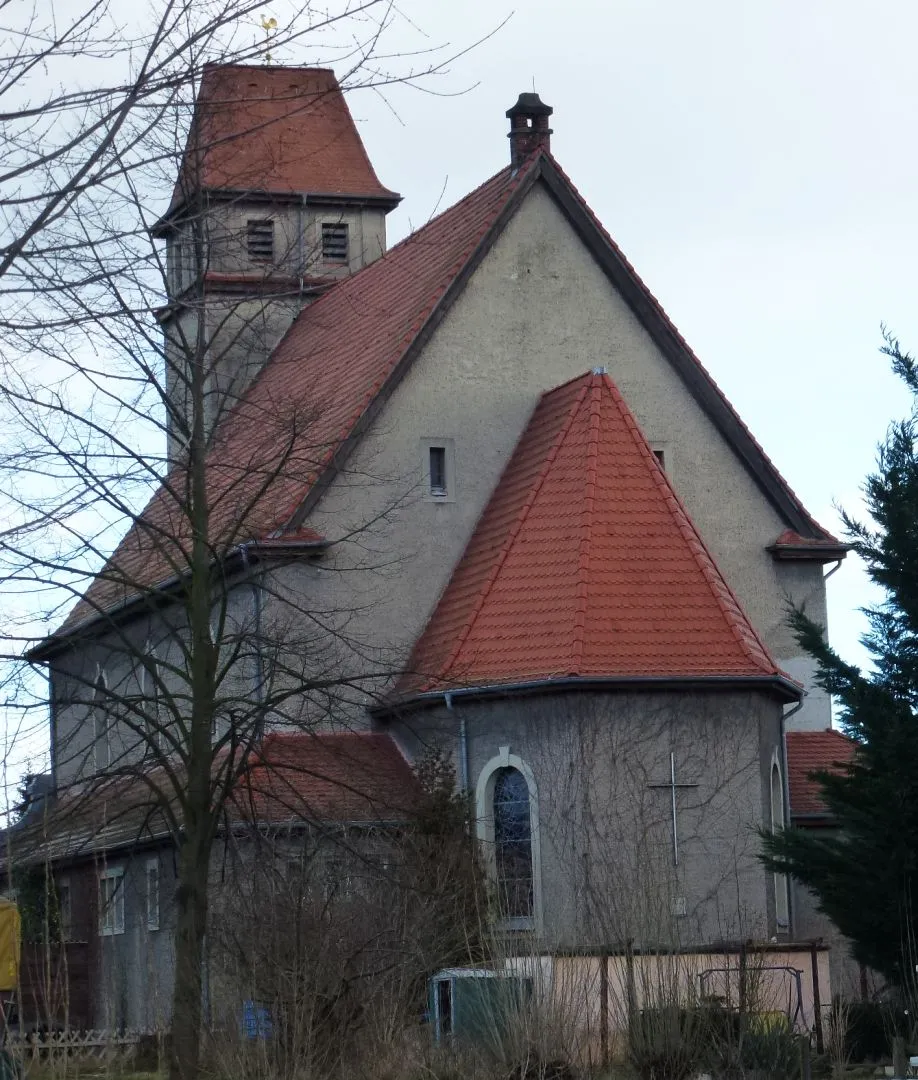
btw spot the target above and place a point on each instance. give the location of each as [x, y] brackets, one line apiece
[277, 546]
[693, 373]
[808, 550]
[176, 212]
[779, 684]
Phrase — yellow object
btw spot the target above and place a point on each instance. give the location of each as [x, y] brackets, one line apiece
[764, 1022]
[9, 945]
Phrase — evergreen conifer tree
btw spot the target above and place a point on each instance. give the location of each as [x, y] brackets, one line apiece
[864, 870]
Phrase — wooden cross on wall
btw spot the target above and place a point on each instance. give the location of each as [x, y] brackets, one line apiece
[673, 787]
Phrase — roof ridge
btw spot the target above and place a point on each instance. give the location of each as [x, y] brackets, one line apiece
[734, 614]
[517, 525]
[586, 538]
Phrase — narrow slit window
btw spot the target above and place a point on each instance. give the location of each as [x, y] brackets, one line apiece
[438, 471]
[661, 459]
[260, 240]
[102, 735]
[334, 242]
[65, 910]
[153, 894]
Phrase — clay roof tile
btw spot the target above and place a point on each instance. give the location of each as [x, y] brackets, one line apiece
[809, 752]
[284, 130]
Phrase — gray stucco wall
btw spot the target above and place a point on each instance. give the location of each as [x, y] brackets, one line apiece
[130, 693]
[136, 967]
[242, 325]
[605, 834]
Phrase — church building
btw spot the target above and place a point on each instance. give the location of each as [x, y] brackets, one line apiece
[518, 510]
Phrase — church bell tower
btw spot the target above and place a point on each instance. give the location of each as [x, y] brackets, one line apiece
[275, 201]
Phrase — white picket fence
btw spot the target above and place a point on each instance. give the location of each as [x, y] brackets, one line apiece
[100, 1043]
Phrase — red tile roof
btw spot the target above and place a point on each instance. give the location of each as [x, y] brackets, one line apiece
[333, 368]
[336, 777]
[808, 752]
[347, 776]
[584, 563]
[277, 129]
[791, 545]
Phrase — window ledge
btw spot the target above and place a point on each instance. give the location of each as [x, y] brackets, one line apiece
[521, 922]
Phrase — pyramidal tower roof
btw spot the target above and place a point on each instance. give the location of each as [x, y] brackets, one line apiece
[585, 564]
[282, 130]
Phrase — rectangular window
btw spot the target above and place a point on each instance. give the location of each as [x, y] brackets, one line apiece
[152, 876]
[111, 902]
[438, 471]
[182, 270]
[334, 242]
[65, 909]
[260, 240]
[661, 459]
[187, 250]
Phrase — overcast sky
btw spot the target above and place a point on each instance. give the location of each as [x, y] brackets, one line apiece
[756, 163]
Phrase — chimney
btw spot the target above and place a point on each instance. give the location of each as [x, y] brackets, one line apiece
[529, 128]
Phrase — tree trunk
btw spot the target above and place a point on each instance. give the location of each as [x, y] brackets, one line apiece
[191, 909]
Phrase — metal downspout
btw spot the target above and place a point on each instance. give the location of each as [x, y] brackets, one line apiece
[463, 746]
[785, 716]
[837, 566]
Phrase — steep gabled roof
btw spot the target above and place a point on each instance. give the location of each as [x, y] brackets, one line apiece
[584, 564]
[809, 752]
[283, 130]
[344, 354]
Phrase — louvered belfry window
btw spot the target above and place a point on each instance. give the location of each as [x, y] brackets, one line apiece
[260, 240]
[334, 242]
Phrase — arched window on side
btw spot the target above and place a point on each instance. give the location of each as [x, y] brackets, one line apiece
[782, 916]
[150, 683]
[513, 844]
[508, 828]
[102, 736]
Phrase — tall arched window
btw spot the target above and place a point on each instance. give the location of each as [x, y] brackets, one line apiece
[513, 844]
[150, 676]
[507, 807]
[777, 822]
[102, 738]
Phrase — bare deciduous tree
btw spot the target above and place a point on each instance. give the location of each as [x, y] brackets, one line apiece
[191, 640]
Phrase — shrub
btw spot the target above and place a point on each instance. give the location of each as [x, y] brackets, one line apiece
[871, 1027]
